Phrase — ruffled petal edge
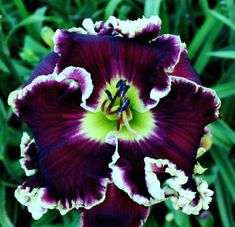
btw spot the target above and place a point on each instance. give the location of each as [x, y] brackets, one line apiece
[75, 77]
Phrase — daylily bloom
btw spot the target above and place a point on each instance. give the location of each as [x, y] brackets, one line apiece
[117, 114]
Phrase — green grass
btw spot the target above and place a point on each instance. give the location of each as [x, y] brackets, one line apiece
[207, 27]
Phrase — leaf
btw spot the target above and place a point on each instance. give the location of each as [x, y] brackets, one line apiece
[24, 72]
[225, 168]
[21, 8]
[223, 19]
[198, 169]
[230, 54]
[180, 218]
[38, 26]
[47, 36]
[46, 219]
[32, 19]
[222, 200]
[124, 11]
[201, 35]
[224, 140]
[32, 51]
[111, 7]
[203, 58]
[151, 221]
[4, 219]
[152, 7]
[225, 90]
[3, 112]
[3, 67]
[208, 221]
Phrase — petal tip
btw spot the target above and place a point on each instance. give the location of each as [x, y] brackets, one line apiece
[12, 101]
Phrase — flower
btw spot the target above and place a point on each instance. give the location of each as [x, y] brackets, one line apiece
[117, 114]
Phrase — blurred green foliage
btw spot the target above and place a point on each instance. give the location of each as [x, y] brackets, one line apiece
[208, 28]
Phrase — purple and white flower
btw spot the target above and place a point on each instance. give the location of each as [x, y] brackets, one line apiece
[117, 114]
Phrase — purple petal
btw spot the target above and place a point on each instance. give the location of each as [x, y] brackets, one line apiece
[116, 210]
[180, 119]
[36, 197]
[184, 69]
[144, 65]
[45, 67]
[74, 167]
[142, 28]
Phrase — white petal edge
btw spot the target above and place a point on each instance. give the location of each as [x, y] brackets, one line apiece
[34, 201]
[62, 77]
[183, 200]
[121, 28]
[26, 141]
[182, 47]
[132, 28]
[32, 198]
[156, 94]
[204, 90]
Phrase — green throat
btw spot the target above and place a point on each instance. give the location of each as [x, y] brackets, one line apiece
[121, 112]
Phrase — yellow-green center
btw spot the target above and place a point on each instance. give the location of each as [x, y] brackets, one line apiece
[121, 111]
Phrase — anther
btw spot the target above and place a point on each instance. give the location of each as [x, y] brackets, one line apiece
[109, 95]
[119, 111]
[123, 89]
[119, 83]
[125, 104]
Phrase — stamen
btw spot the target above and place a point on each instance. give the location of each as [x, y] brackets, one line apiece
[123, 111]
[119, 111]
[109, 95]
[108, 110]
[128, 127]
[125, 104]
[119, 83]
[128, 113]
[123, 89]
[120, 121]
[103, 105]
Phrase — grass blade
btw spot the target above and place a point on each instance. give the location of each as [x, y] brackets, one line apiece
[111, 7]
[230, 54]
[4, 219]
[225, 90]
[222, 199]
[201, 35]
[226, 169]
[223, 19]
[152, 7]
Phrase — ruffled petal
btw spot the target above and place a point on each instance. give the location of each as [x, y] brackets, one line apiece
[116, 210]
[144, 65]
[29, 156]
[185, 69]
[180, 119]
[142, 28]
[164, 180]
[45, 67]
[74, 167]
[157, 173]
[36, 197]
[192, 201]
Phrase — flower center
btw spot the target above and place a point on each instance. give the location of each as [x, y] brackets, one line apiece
[117, 107]
[122, 112]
